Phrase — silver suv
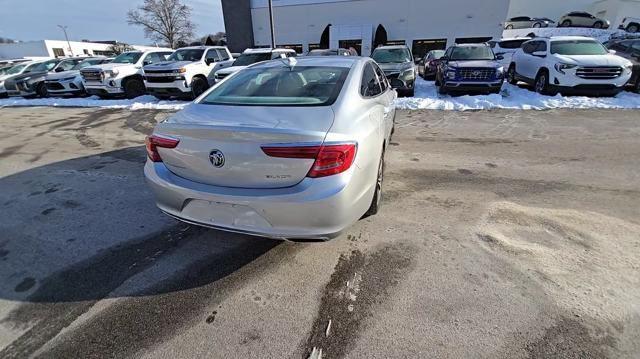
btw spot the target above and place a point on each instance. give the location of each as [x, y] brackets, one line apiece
[582, 19]
[397, 64]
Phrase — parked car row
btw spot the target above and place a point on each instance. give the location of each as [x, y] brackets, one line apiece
[572, 19]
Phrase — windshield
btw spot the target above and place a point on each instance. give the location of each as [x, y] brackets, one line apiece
[44, 66]
[578, 47]
[186, 55]
[391, 55]
[281, 86]
[472, 53]
[16, 69]
[86, 63]
[248, 59]
[127, 58]
[436, 54]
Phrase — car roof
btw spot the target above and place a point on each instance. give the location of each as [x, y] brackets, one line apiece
[329, 61]
[565, 38]
[525, 38]
[471, 45]
[391, 47]
[265, 50]
[201, 47]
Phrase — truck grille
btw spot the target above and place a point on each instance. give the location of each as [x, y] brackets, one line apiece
[161, 77]
[92, 75]
[477, 74]
[599, 73]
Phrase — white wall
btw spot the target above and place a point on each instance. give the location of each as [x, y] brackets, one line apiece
[553, 9]
[44, 48]
[403, 19]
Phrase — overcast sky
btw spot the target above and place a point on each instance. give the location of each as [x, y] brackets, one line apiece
[91, 19]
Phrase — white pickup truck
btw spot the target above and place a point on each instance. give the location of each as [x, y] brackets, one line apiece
[188, 72]
[122, 76]
[630, 24]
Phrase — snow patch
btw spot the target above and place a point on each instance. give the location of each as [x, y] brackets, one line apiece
[138, 103]
[511, 97]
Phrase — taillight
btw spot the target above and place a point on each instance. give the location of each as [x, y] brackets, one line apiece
[330, 159]
[154, 141]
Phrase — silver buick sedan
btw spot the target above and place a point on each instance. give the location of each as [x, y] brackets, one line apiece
[289, 149]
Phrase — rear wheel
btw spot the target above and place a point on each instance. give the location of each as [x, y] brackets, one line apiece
[566, 23]
[198, 86]
[633, 28]
[377, 195]
[511, 75]
[509, 27]
[134, 88]
[598, 25]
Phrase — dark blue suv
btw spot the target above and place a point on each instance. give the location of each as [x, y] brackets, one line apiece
[469, 68]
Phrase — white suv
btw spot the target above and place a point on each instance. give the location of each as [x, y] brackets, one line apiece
[251, 56]
[122, 76]
[630, 24]
[570, 65]
[188, 72]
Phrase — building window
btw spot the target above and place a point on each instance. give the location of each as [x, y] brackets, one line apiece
[421, 47]
[58, 52]
[296, 47]
[314, 47]
[472, 40]
[102, 53]
[396, 42]
[348, 44]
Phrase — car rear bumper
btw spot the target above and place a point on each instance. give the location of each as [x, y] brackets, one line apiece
[317, 209]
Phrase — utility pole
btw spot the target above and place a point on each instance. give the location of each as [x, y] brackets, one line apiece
[64, 29]
[271, 25]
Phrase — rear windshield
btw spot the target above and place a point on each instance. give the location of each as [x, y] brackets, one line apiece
[512, 44]
[323, 52]
[281, 86]
[186, 55]
[472, 53]
[391, 55]
[577, 47]
[248, 59]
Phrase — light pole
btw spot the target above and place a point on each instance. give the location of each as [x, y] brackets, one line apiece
[64, 29]
[271, 25]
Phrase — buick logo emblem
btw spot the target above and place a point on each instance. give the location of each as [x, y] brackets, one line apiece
[217, 158]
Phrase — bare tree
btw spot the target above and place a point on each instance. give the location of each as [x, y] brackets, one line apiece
[119, 48]
[166, 21]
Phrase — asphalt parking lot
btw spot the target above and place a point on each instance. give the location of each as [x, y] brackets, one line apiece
[504, 234]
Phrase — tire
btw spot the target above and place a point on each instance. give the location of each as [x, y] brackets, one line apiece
[598, 25]
[537, 25]
[377, 194]
[566, 23]
[542, 83]
[198, 87]
[134, 88]
[633, 28]
[41, 90]
[410, 93]
[636, 88]
[511, 75]
[509, 27]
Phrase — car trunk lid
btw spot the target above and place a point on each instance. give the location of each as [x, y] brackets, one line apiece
[222, 145]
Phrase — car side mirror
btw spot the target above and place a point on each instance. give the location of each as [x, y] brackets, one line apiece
[59, 69]
[499, 57]
[539, 54]
[209, 61]
[146, 62]
[613, 52]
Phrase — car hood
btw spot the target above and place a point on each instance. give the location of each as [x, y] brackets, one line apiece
[474, 63]
[392, 67]
[230, 70]
[62, 75]
[168, 65]
[106, 67]
[17, 78]
[593, 60]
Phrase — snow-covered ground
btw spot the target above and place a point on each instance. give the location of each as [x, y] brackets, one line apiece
[601, 35]
[139, 103]
[512, 97]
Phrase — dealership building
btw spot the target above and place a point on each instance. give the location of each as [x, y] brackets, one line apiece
[363, 24]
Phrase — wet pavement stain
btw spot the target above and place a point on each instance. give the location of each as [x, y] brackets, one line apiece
[25, 285]
[359, 283]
